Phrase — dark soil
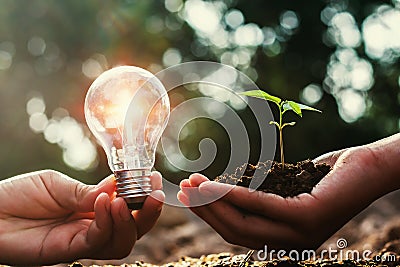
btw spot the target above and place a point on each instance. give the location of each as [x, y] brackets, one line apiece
[290, 181]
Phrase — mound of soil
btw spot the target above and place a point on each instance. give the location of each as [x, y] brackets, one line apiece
[289, 181]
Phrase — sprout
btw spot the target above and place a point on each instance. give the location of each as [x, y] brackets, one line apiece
[283, 106]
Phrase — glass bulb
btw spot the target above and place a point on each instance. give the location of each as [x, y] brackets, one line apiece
[127, 109]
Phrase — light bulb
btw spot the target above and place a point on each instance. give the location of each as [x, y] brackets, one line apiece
[127, 109]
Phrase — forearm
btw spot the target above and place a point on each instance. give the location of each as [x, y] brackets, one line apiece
[387, 153]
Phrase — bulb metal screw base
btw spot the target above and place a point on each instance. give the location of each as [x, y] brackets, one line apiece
[133, 186]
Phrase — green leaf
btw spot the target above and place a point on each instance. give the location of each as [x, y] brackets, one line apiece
[289, 124]
[305, 107]
[275, 123]
[291, 105]
[295, 107]
[263, 95]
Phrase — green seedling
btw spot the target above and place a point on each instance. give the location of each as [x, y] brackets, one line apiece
[283, 106]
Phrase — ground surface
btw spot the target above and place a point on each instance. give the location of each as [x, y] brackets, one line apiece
[179, 234]
[228, 260]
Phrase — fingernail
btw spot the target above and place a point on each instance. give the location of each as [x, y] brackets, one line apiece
[158, 195]
[156, 172]
[183, 182]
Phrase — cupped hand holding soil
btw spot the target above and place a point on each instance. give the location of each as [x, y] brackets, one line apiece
[358, 177]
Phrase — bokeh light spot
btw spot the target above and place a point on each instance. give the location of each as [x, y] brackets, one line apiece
[60, 113]
[344, 30]
[52, 133]
[234, 18]
[36, 46]
[311, 94]
[5, 60]
[214, 109]
[249, 35]
[352, 105]
[237, 102]
[154, 24]
[35, 105]
[289, 20]
[91, 68]
[81, 155]
[273, 49]
[204, 17]
[79, 152]
[171, 57]
[269, 36]
[347, 70]
[229, 58]
[38, 122]
[381, 32]
[173, 5]
[361, 75]
[8, 46]
[327, 14]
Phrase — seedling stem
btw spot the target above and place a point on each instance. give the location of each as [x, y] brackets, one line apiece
[283, 106]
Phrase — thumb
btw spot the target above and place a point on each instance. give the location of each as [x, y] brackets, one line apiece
[73, 195]
[329, 158]
[87, 194]
[107, 185]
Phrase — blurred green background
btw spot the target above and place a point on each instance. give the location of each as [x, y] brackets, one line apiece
[340, 56]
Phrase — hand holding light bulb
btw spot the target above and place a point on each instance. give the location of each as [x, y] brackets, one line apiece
[61, 219]
[127, 109]
[57, 219]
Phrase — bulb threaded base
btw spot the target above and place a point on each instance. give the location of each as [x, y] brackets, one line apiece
[133, 186]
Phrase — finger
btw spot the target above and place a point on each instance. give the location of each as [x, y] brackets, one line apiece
[271, 205]
[86, 194]
[196, 179]
[100, 230]
[191, 195]
[124, 231]
[146, 217]
[329, 158]
[186, 187]
[156, 180]
[185, 183]
[242, 228]
[183, 198]
[107, 185]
